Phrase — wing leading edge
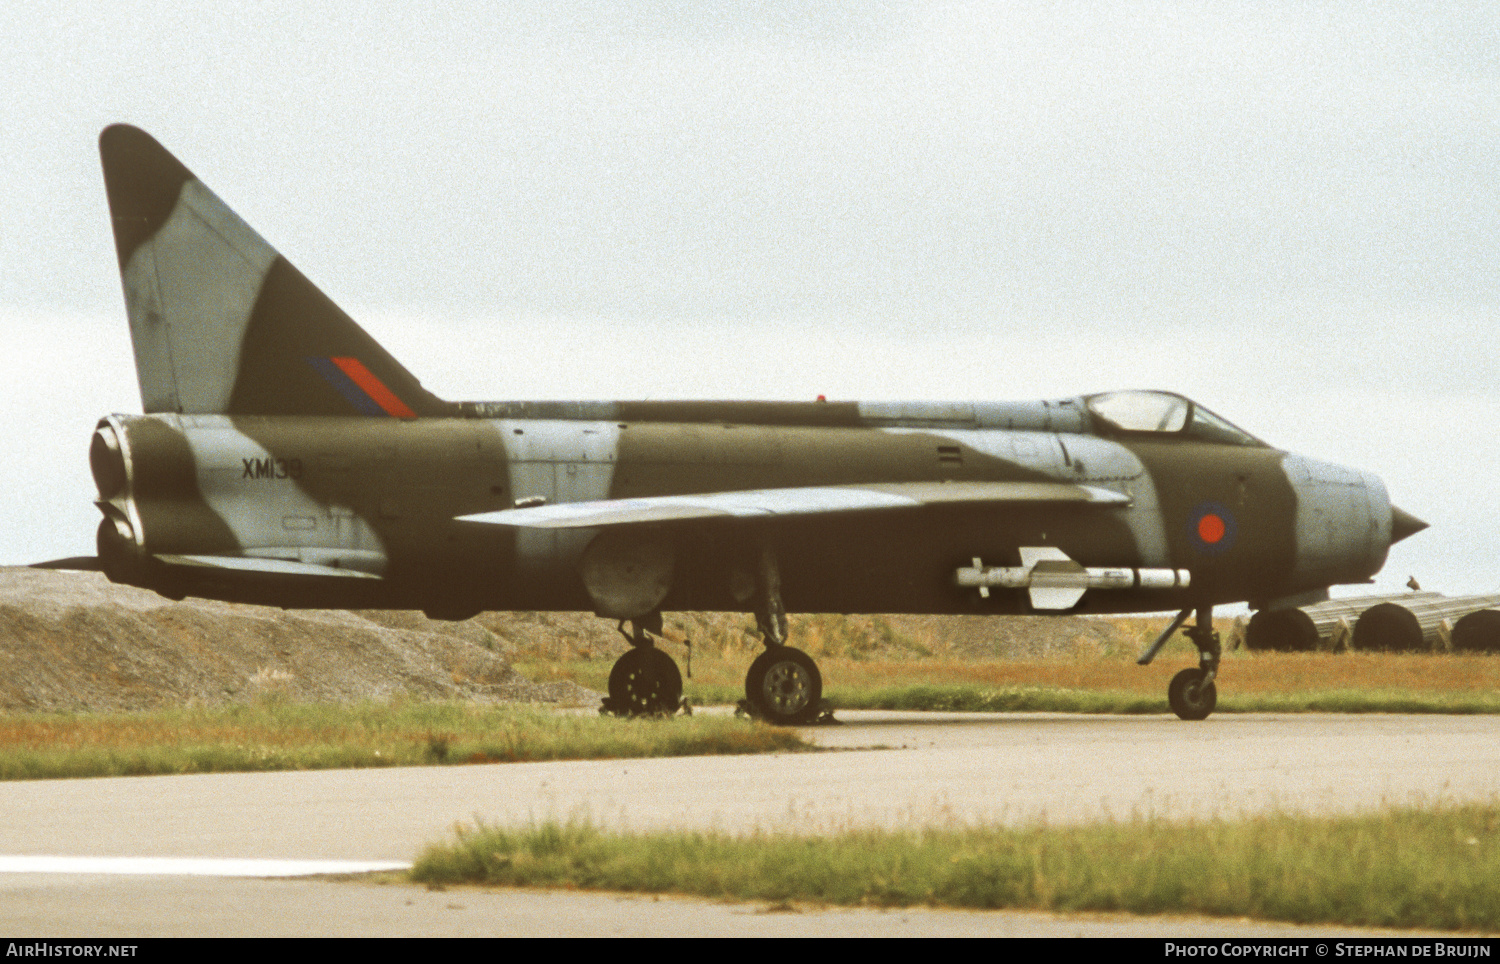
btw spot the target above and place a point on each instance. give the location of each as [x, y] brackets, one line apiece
[809, 500]
[265, 564]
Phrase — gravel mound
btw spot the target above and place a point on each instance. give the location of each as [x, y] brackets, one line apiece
[75, 641]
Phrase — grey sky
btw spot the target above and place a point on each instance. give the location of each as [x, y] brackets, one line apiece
[1288, 211]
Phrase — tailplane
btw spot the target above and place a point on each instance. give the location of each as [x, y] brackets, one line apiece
[220, 321]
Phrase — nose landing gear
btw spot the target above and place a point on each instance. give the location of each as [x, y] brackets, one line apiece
[1192, 694]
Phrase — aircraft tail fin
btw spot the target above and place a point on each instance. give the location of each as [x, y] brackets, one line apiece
[221, 323]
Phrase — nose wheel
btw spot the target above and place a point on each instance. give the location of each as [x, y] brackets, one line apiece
[1191, 695]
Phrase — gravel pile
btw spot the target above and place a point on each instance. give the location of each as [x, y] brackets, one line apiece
[74, 641]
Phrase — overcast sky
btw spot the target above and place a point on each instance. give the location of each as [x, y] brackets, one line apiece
[1287, 211]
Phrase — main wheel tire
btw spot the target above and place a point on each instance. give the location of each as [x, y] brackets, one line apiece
[1190, 697]
[645, 682]
[784, 686]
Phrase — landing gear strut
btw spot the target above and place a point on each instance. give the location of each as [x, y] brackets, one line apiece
[645, 681]
[783, 686]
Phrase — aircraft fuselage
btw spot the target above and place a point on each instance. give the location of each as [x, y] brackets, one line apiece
[385, 497]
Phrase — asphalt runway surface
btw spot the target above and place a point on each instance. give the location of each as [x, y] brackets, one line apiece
[227, 832]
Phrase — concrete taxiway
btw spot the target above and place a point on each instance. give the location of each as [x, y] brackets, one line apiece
[896, 769]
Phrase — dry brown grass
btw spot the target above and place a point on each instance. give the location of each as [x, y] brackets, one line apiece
[1248, 673]
[860, 656]
[1420, 672]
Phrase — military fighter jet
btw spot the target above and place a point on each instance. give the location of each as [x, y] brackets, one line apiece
[284, 458]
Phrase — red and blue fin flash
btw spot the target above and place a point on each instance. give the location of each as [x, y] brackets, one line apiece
[360, 387]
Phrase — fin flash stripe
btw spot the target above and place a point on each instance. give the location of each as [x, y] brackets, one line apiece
[360, 387]
[374, 387]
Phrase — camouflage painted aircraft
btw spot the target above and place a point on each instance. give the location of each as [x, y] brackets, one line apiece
[284, 458]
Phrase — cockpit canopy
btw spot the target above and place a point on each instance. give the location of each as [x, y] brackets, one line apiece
[1164, 413]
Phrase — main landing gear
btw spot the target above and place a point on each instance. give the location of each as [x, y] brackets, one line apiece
[1192, 694]
[782, 687]
[645, 681]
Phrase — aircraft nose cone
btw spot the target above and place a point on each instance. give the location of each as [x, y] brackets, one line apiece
[1404, 524]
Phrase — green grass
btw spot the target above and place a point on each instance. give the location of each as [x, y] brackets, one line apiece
[1042, 699]
[1404, 868]
[281, 736]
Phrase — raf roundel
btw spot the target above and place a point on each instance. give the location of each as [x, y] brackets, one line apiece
[1211, 528]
